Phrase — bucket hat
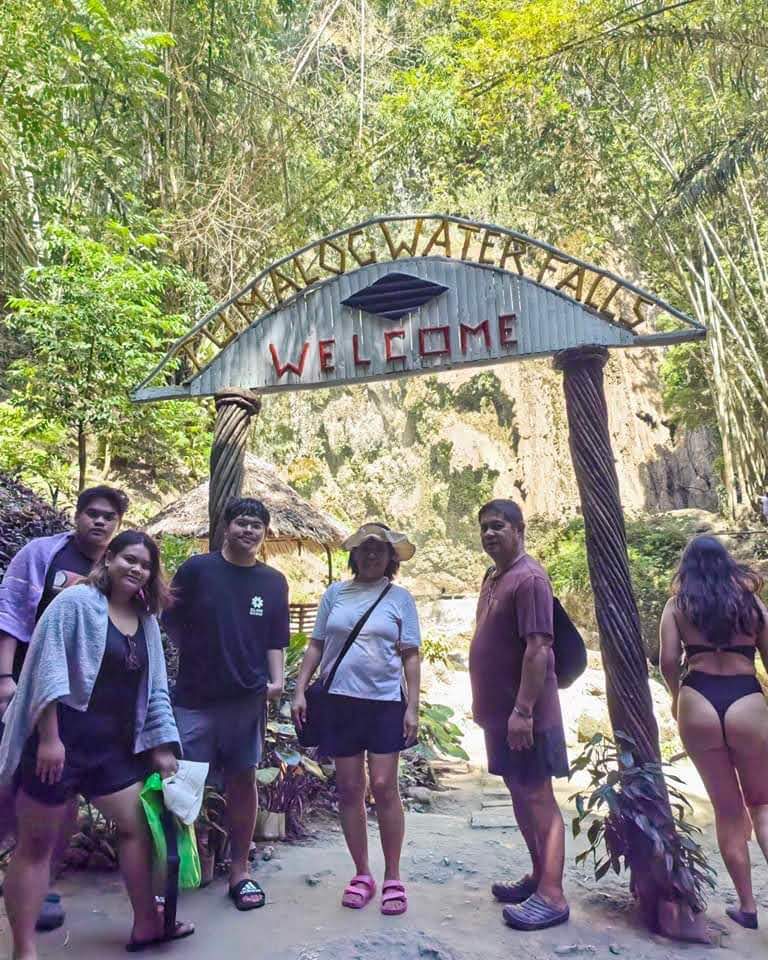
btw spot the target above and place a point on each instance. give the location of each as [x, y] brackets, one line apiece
[399, 542]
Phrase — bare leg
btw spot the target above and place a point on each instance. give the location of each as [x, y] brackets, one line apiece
[526, 825]
[548, 828]
[27, 879]
[383, 768]
[242, 807]
[702, 736]
[350, 787]
[124, 808]
[66, 832]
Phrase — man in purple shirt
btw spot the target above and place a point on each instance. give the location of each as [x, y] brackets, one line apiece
[37, 574]
[515, 701]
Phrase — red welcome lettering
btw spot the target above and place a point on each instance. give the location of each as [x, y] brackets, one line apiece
[508, 329]
[325, 350]
[444, 332]
[282, 368]
[389, 336]
[465, 330]
[359, 361]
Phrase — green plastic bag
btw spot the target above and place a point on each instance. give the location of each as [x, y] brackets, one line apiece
[154, 808]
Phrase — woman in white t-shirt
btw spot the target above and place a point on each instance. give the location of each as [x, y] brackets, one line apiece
[369, 711]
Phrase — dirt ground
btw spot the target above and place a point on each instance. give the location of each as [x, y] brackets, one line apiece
[447, 865]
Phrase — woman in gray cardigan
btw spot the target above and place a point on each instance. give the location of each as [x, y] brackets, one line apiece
[91, 716]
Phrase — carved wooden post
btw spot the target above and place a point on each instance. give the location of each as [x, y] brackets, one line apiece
[234, 409]
[621, 643]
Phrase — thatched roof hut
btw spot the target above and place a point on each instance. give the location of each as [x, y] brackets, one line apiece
[295, 522]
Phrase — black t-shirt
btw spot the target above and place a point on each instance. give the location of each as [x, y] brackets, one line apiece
[224, 619]
[65, 568]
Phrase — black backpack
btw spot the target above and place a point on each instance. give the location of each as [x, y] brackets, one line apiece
[568, 644]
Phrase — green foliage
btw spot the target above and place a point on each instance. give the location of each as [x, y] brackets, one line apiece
[435, 649]
[654, 547]
[92, 324]
[439, 736]
[174, 551]
[34, 450]
[628, 826]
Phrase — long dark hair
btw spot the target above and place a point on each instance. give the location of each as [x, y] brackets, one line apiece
[716, 593]
[155, 596]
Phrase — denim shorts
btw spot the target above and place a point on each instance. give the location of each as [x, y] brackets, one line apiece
[227, 735]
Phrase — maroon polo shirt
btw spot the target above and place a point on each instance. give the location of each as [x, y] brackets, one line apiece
[512, 606]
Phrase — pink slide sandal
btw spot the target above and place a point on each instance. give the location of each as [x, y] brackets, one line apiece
[359, 892]
[394, 899]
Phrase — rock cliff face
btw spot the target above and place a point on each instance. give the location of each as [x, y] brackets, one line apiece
[424, 453]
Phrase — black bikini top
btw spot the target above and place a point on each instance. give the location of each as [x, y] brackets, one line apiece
[747, 650]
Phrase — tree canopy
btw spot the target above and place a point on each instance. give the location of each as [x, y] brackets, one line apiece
[153, 155]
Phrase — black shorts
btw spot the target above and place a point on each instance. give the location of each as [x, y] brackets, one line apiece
[548, 757]
[356, 725]
[98, 775]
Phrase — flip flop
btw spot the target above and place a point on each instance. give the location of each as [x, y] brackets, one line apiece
[392, 891]
[247, 888]
[136, 946]
[534, 914]
[51, 915]
[359, 892]
[743, 918]
[507, 892]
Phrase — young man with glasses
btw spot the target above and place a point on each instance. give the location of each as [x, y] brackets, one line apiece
[38, 572]
[230, 624]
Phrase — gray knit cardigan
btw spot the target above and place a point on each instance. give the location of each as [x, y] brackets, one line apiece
[62, 663]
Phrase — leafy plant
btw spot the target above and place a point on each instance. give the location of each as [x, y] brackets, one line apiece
[289, 779]
[439, 736]
[628, 824]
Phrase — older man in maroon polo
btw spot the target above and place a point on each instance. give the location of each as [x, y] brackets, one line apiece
[515, 701]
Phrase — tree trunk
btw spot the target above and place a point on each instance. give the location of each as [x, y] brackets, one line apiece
[82, 456]
[621, 645]
[234, 409]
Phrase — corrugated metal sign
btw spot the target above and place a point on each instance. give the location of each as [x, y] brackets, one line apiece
[354, 307]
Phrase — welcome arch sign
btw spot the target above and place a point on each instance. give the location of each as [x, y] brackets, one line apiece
[400, 296]
[407, 295]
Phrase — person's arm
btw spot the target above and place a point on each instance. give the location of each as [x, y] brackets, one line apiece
[7, 683]
[762, 637]
[182, 591]
[671, 653]
[50, 750]
[533, 613]
[276, 667]
[412, 668]
[279, 639]
[312, 658]
[534, 672]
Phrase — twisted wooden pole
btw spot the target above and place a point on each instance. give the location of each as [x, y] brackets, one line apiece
[234, 409]
[626, 674]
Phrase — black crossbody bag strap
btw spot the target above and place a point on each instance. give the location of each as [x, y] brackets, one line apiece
[353, 635]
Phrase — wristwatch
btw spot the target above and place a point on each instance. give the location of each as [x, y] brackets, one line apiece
[522, 713]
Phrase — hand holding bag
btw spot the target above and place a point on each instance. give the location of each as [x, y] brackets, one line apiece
[317, 694]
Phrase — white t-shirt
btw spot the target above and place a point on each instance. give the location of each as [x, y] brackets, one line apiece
[372, 668]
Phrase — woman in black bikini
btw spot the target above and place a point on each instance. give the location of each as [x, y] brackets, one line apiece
[711, 631]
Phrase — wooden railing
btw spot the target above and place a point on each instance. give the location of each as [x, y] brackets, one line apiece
[302, 617]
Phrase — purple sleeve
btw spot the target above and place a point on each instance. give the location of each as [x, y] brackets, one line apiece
[20, 594]
[534, 608]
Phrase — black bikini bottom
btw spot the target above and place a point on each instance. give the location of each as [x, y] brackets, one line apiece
[722, 690]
